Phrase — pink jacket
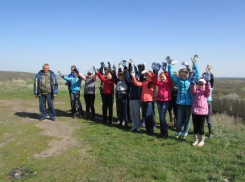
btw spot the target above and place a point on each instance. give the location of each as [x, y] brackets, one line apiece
[147, 94]
[164, 88]
[200, 103]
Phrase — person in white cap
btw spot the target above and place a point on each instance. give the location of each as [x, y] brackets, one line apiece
[199, 107]
[89, 94]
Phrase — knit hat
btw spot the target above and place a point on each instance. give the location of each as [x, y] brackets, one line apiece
[201, 80]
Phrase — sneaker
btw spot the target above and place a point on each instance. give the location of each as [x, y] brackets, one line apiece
[74, 116]
[177, 137]
[184, 138]
[41, 119]
[132, 129]
[118, 122]
[53, 119]
[123, 123]
[211, 136]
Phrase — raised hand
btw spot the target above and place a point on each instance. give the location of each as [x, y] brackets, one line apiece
[132, 73]
[145, 71]
[169, 60]
[164, 66]
[209, 67]
[61, 74]
[130, 61]
[124, 62]
[94, 69]
[207, 76]
[109, 65]
[184, 63]
[114, 67]
[194, 59]
[156, 67]
[102, 65]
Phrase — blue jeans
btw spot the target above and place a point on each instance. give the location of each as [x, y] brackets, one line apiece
[42, 105]
[183, 117]
[148, 114]
[162, 109]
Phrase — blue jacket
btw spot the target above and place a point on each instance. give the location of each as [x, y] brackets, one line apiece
[53, 83]
[185, 96]
[75, 83]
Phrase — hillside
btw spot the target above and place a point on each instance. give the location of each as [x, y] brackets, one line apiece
[10, 75]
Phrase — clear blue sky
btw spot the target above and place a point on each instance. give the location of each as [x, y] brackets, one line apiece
[87, 32]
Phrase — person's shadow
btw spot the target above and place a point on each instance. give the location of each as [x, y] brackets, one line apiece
[37, 116]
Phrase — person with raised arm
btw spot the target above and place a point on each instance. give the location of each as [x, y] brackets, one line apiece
[164, 96]
[147, 98]
[75, 88]
[185, 97]
[199, 107]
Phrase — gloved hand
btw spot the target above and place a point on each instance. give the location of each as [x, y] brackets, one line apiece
[109, 65]
[102, 65]
[194, 59]
[164, 66]
[61, 74]
[132, 73]
[207, 77]
[174, 62]
[76, 71]
[94, 69]
[209, 67]
[169, 60]
[143, 72]
[130, 61]
[120, 65]
[193, 75]
[114, 67]
[156, 67]
[124, 63]
[188, 68]
[184, 63]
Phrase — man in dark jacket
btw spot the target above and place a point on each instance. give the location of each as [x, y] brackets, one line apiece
[46, 88]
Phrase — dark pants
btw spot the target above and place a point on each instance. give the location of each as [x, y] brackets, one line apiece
[173, 106]
[89, 100]
[198, 123]
[162, 109]
[183, 117]
[148, 115]
[122, 108]
[76, 103]
[42, 105]
[209, 116]
[107, 103]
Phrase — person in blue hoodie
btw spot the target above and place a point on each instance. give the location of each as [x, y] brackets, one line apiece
[185, 97]
[75, 88]
[46, 89]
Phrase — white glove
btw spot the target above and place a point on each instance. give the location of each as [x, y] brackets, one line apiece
[174, 62]
[145, 71]
[184, 63]
[60, 74]
[132, 73]
[130, 61]
[94, 69]
[194, 59]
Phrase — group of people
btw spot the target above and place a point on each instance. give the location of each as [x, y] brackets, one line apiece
[138, 89]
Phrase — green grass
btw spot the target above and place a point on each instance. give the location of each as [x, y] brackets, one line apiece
[114, 154]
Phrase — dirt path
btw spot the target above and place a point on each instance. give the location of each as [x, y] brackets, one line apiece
[59, 130]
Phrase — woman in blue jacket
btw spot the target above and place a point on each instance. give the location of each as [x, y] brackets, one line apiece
[184, 98]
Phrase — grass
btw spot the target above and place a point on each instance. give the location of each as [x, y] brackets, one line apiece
[111, 153]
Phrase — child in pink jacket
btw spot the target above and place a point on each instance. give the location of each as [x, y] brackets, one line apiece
[199, 108]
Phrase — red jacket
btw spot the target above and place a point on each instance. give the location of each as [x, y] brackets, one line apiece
[164, 88]
[108, 84]
[147, 94]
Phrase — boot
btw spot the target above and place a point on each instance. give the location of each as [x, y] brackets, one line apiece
[201, 143]
[81, 114]
[211, 132]
[87, 115]
[165, 134]
[196, 140]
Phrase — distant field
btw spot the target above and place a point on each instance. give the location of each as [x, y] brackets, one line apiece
[10, 75]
